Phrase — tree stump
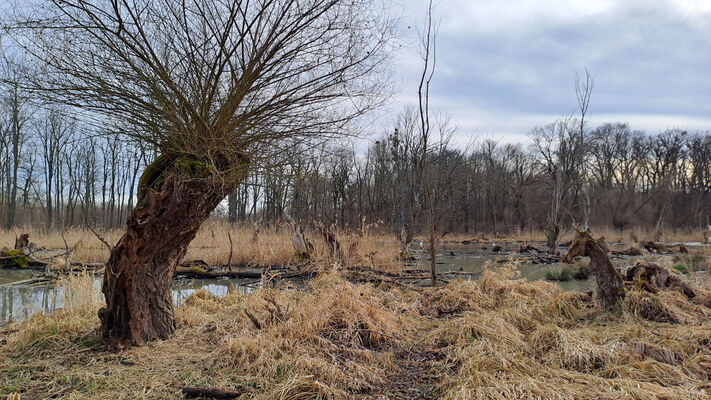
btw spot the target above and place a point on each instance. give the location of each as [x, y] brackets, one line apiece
[302, 246]
[610, 286]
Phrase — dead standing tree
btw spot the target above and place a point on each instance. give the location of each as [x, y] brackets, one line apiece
[427, 52]
[215, 86]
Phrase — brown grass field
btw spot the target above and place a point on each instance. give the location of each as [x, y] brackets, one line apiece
[494, 338]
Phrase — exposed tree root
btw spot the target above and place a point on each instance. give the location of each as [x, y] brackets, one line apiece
[652, 278]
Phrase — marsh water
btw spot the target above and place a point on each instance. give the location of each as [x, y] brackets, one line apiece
[19, 301]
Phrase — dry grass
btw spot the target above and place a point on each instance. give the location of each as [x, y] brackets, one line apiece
[269, 247]
[495, 338]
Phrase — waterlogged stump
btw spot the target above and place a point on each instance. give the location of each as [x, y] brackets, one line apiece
[610, 286]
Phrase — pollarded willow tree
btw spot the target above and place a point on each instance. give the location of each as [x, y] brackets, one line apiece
[215, 86]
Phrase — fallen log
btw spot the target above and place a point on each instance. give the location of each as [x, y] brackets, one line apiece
[206, 273]
[652, 278]
[19, 259]
[660, 248]
[209, 393]
[31, 281]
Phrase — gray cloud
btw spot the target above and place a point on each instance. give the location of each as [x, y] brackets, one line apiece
[504, 67]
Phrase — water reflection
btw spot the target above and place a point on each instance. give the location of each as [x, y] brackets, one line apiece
[18, 302]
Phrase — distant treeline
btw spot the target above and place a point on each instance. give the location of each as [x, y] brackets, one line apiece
[51, 176]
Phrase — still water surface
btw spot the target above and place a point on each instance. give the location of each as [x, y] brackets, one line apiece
[18, 302]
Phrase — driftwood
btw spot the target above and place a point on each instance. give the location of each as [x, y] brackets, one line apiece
[209, 393]
[652, 278]
[660, 248]
[610, 287]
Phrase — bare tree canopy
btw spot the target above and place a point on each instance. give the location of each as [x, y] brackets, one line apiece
[198, 77]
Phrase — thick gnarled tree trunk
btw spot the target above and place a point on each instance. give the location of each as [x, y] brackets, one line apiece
[176, 194]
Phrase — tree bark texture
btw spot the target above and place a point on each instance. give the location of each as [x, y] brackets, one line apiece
[175, 195]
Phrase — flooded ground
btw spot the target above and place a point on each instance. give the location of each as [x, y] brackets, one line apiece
[21, 301]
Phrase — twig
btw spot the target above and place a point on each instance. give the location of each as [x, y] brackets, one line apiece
[229, 259]
[100, 238]
[254, 319]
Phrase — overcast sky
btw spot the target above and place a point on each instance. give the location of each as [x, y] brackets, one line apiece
[504, 67]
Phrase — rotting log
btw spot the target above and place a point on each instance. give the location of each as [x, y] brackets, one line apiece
[176, 194]
[527, 248]
[209, 393]
[19, 259]
[610, 286]
[652, 278]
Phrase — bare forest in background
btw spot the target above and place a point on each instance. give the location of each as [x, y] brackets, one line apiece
[53, 176]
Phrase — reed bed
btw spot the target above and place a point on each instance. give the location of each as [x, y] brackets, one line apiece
[495, 338]
[251, 245]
